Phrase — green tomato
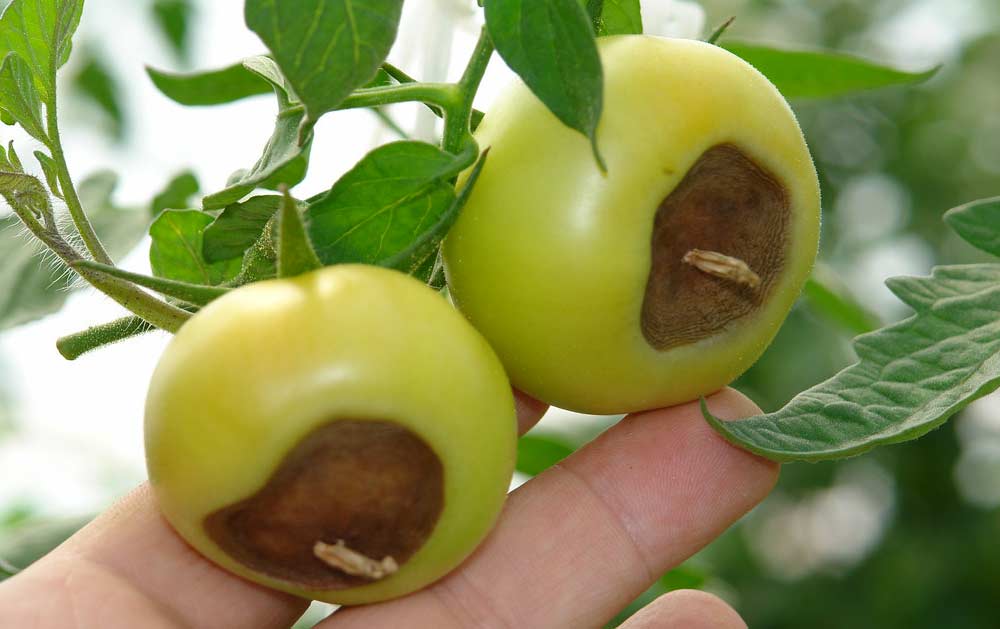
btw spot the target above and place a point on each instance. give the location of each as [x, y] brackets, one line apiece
[663, 279]
[345, 435]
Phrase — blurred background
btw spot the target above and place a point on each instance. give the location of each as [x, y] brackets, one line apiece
[904, 536]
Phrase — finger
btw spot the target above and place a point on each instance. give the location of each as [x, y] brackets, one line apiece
[686, 609]
[529, 411]
[135, 548]
[578, 543]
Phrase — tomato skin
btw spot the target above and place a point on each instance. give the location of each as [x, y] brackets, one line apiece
[258, 369]
[550, 257]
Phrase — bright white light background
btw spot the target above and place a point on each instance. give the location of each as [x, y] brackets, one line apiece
[79, 443]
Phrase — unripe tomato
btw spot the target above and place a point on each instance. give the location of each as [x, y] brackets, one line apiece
[344, 435]
[663, 279]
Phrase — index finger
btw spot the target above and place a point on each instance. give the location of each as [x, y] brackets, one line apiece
[576, 544]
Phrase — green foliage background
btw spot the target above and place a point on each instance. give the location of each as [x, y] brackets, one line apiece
[933, 558]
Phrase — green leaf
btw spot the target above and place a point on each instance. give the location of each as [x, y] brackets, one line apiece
[910, 378]
[376, 210]
[176, 195]
[720, 30]
[285, 160]
[7, 569]
[51, 173]
[195, 294]
[9, 159]
[19, 97]
[821, 74]
[27, 542]
[550, 45]
[176, 250]
[829, 297]
[95, 81]
[978, 223]
[209, 87]
[684, 577]
[538, 452]
[295, 252]
[173, 17]
[31, 286]
[238, 227]
[326, 48]
[418, 259]
[25, 192]
[35, 284]
[40, 32]
[615, 17]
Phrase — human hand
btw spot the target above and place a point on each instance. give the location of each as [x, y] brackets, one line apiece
[572, 548]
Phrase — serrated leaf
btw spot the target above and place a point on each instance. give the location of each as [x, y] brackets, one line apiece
[615, 17]
[910, 378]
[537, 452]
[383, 204]
[326, 48]
[419, 259]
[209, 87]
[95, 82]
[285, 160]
[40, 32]
[550, 44]
[19, 96]
[173, 17]
[820, 73]
[238, 227]
[176, 250]
[177, 194]
[50, 172]
[978, 223]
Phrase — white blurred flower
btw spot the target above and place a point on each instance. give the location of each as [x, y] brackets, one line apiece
[673, 18]
[829, 530]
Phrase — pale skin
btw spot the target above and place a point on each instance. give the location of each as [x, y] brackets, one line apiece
[573, 547]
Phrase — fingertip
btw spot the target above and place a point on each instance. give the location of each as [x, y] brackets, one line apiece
[686, 609]
[728, 404]
[529, 411]
[732, 405]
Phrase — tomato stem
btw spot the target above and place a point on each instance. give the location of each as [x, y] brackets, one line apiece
[442, 95]
[75, 345]
[76, 212]
[458, 119]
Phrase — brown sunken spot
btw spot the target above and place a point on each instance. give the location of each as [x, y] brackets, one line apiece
[726, 204]
[371, 486]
